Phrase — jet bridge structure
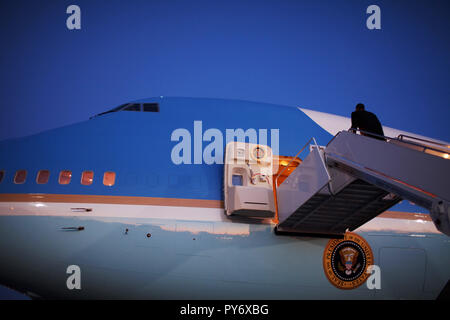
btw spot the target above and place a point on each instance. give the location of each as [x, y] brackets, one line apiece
[356, 177]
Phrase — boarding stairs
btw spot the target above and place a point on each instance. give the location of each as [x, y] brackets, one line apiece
[355, 178]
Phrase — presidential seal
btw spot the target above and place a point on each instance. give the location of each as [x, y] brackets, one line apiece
[345, 261]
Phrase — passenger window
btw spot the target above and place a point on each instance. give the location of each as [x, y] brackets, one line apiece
[20, 177]
[151, 107]
[65, 176]
[2, 174]
[133, 107]
[109, 178]
[87, 177]
[42, 177]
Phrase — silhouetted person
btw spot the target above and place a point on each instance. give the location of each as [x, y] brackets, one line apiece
[366, 121]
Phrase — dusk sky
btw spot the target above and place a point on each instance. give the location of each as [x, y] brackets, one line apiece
[314, 54]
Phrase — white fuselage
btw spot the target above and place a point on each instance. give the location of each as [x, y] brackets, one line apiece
[176, 252]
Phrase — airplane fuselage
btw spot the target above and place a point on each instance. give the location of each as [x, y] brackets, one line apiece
[140, 225]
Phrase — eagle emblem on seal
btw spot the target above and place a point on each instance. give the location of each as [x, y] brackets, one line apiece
[346, 260]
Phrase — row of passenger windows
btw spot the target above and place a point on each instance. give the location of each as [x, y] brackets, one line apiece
[65, 176]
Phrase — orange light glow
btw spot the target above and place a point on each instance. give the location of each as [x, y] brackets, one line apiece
[109, 178]
[87, 177]
[65, 176]
[286, 166]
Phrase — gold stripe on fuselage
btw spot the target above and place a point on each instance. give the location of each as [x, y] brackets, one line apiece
[76, 198]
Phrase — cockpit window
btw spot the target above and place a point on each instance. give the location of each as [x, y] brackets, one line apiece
[146, 107]
[113, 110]
[133, 107]
[151, 107]
[118, 108]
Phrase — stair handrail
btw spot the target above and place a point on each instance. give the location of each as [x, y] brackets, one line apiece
[402, 136]
[399, 138]
[287, 166]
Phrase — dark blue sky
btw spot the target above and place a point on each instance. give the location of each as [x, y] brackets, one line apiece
[315, 54]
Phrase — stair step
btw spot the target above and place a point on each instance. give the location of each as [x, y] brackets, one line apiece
[350, 208]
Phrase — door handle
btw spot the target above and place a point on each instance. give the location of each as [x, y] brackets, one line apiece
[81, 209]
[73, 228]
